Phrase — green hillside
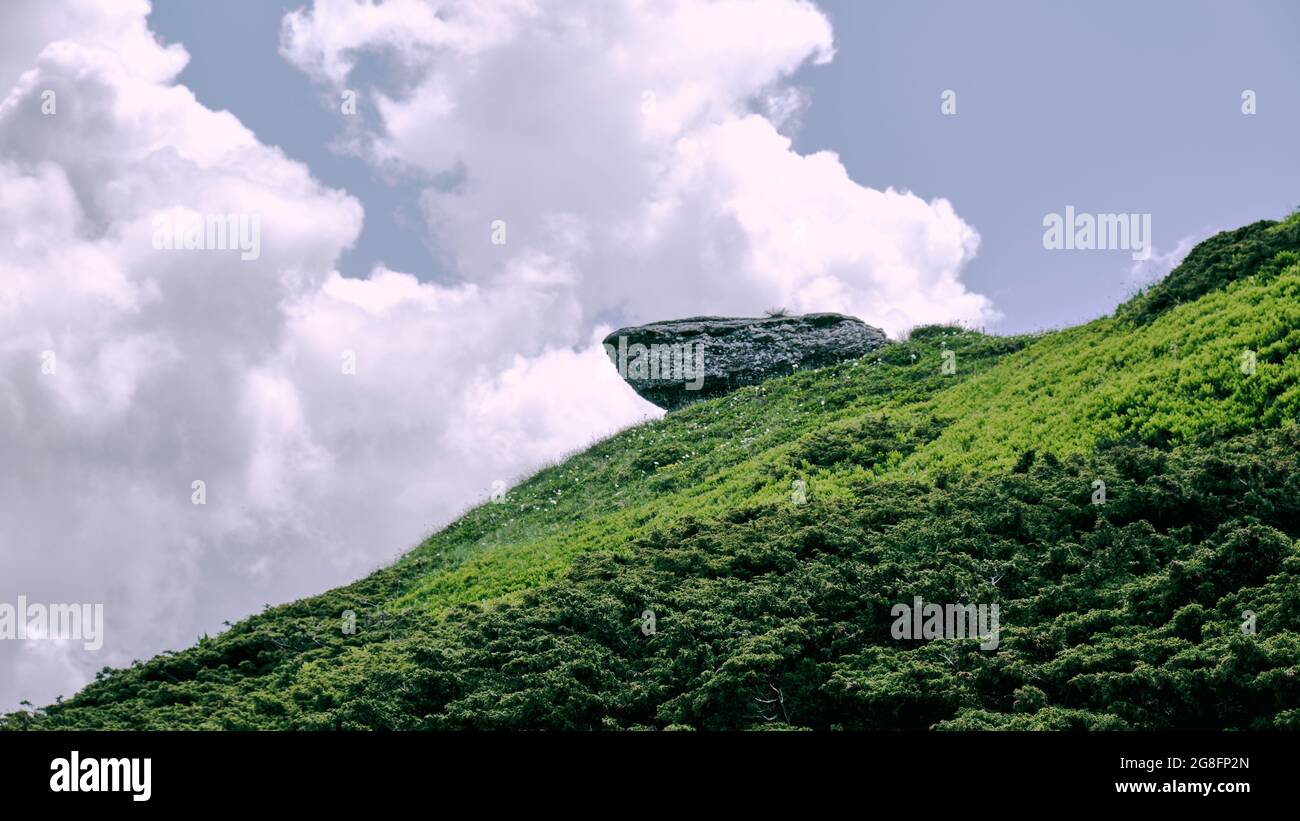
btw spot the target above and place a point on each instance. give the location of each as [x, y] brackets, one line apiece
[771, 531]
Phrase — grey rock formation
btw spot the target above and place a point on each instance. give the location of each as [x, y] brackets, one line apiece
[684, 360]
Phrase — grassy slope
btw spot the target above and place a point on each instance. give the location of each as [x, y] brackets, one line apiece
[1159, 378]
[1116, 616]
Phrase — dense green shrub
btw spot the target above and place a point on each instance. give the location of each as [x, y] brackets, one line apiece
[1219, 260]
[770, 532]
[1127, 614]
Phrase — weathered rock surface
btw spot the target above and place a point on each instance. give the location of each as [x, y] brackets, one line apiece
[681, 361]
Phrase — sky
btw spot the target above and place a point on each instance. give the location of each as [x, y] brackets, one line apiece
[189, 435]
[1113, 107]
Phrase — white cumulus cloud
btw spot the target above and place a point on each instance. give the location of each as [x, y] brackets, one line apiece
[634, 153]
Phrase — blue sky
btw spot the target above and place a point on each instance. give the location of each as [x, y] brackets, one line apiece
[1109, 107]
[235, 65]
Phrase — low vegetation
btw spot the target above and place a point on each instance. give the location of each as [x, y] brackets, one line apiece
[734, 564]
